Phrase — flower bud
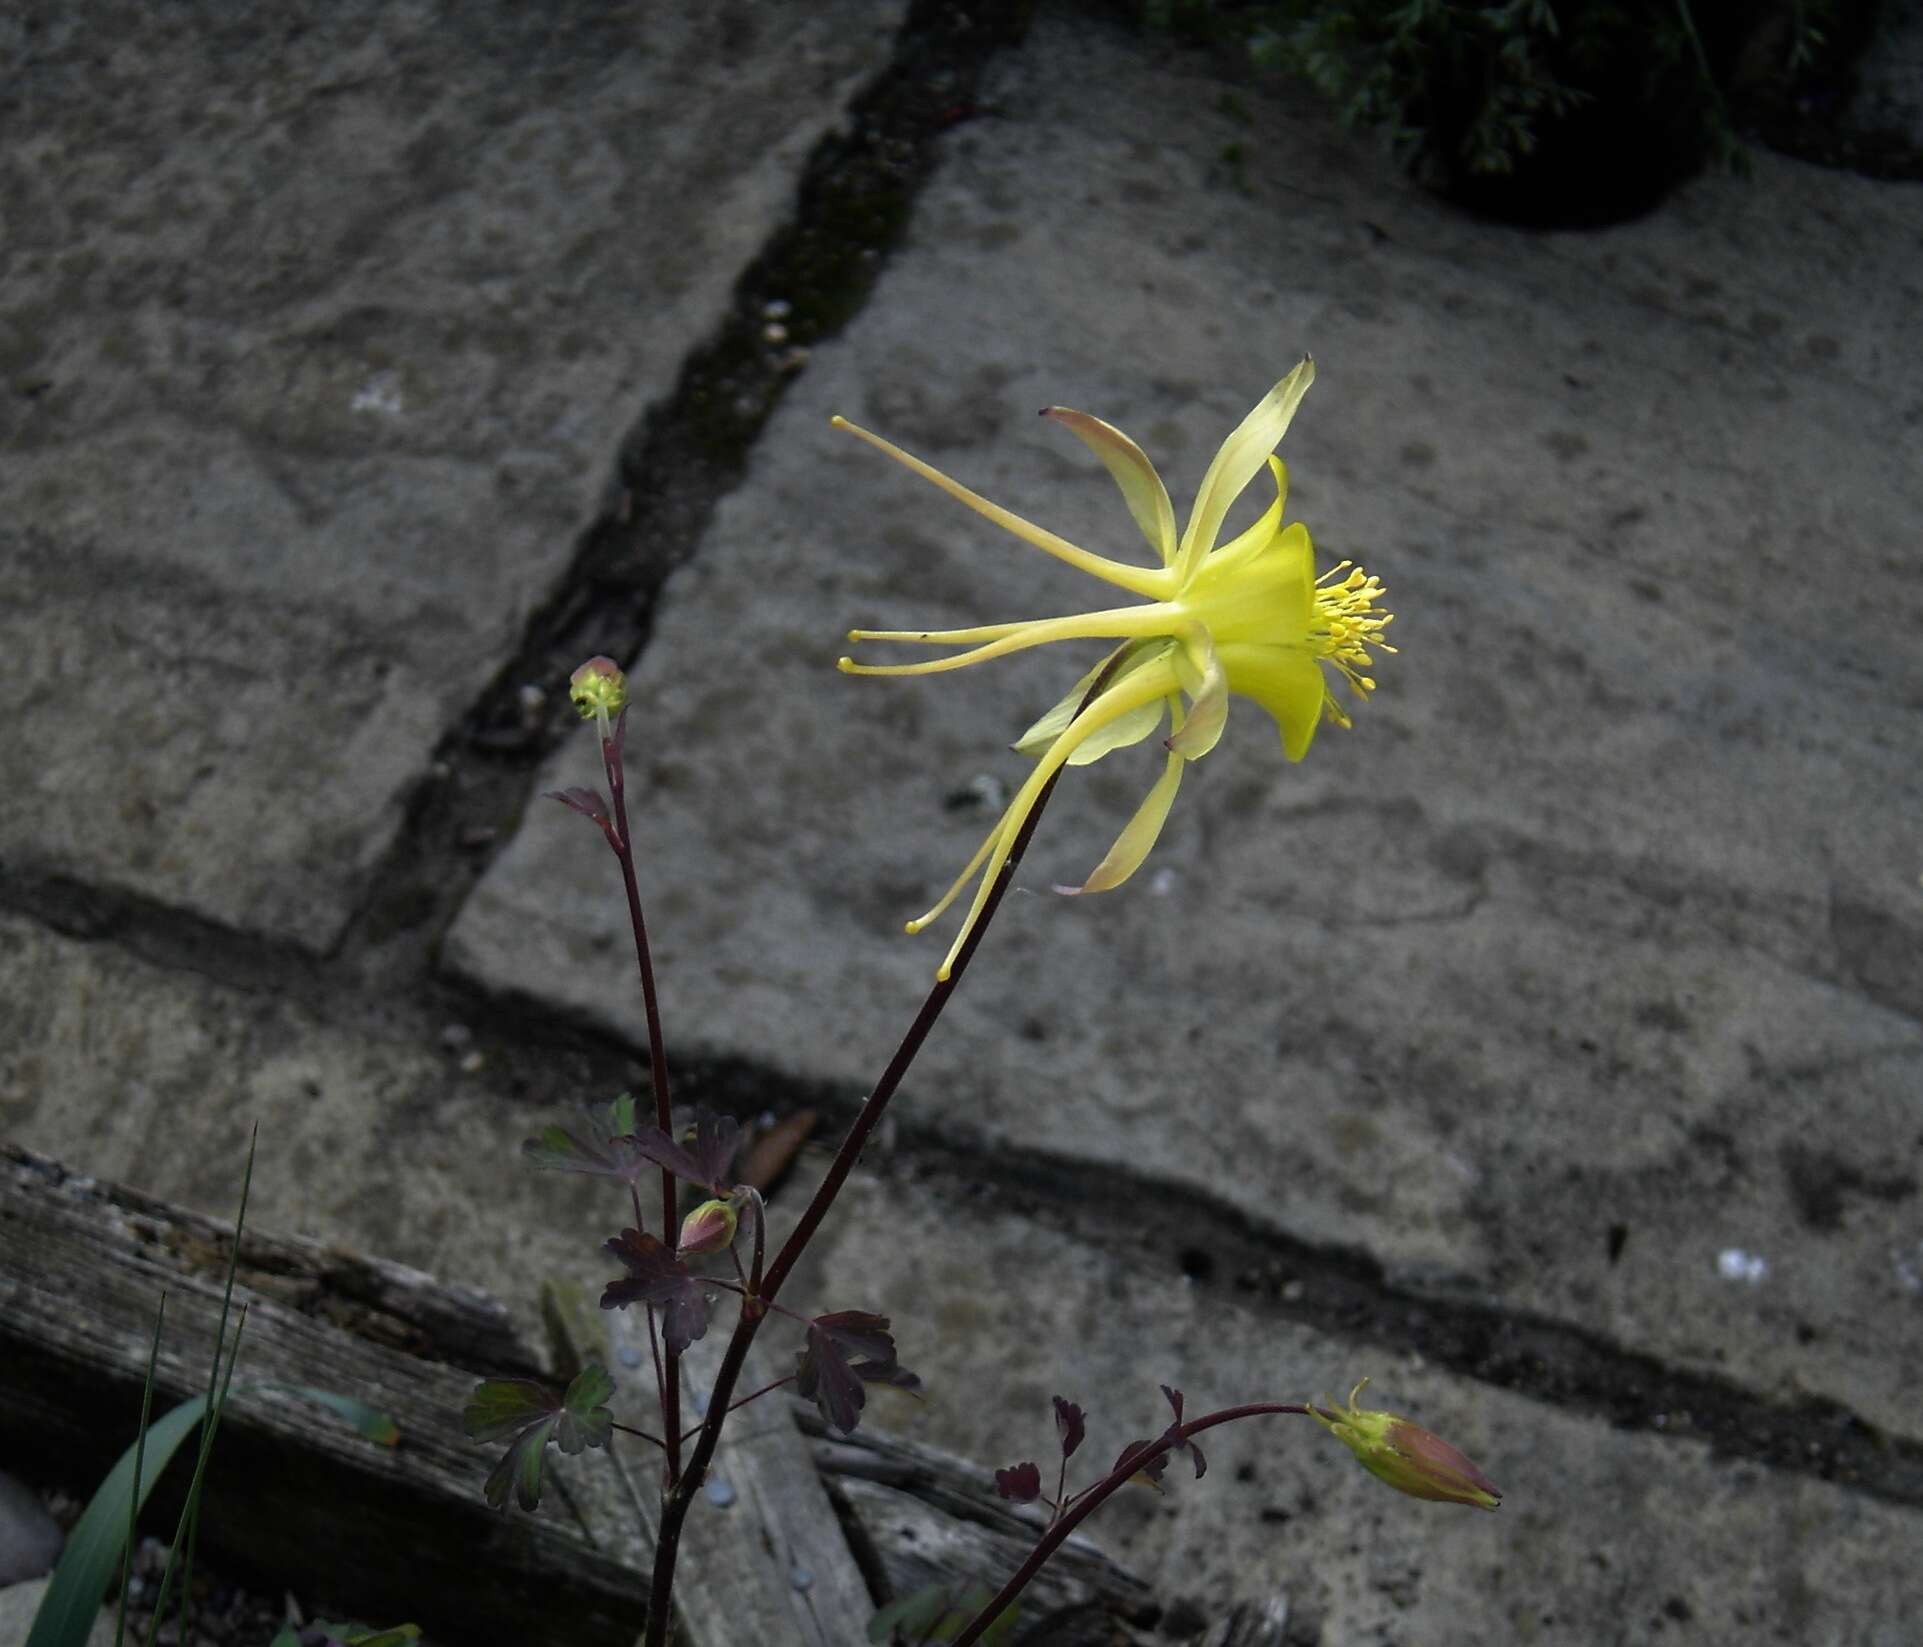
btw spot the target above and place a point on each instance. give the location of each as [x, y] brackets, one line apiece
[709, 1228]
[598, 687]
[1408, 1457]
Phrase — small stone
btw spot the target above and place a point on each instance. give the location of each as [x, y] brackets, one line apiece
[30, 1539]
[718, 1492]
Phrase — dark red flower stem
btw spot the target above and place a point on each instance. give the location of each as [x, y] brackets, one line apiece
[675, 1511]
[1090, 1497]
[623, 845]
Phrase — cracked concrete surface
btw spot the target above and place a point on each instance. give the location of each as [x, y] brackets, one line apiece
[1577, 987]
[317, 329]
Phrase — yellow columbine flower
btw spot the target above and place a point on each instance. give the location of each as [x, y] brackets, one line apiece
[1249, 616]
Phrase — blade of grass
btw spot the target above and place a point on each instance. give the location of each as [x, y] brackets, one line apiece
[214, 1372]
[194, 1486]
[140, 1451]
[188, 1532]
[72, 1602]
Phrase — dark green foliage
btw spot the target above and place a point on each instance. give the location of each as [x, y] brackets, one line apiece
[322, 1633]
[936, 1613]
[533, 1414]
[1576, 111]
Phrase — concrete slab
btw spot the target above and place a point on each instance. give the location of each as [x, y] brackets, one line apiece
[388, 1144]
[402, 1142]
[1581, 975]
[1603, 1535]
[317, 333]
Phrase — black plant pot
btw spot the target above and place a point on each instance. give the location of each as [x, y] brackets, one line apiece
[1650, 107]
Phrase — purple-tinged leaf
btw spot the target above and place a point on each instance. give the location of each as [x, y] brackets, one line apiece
[587, 802]
[705, 1159]
[1150, 1473]
[1020, 1483]
[657, 1277]
[890, 1372]
[1069, 1428]
[825, 1374]
[602, 1146]
[859, 1332]
[1179, 1442]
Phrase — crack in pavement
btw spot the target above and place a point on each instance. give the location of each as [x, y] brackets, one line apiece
[672, 470]
[1203, 1241]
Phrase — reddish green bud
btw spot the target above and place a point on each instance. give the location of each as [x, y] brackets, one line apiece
[598, 688]
[709, 1228]
[1408, 1457]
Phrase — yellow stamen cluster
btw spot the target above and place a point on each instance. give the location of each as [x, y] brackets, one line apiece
[1346, 624]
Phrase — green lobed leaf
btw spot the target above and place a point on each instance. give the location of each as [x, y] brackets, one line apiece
[520, 1468]
[585, 1420]
[501, 1406]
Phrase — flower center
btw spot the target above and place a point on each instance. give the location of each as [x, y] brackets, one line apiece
[1346, 623]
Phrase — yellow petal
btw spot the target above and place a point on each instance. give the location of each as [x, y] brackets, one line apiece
[1134, 842]
[1051, 726]
[1149, 684]
[1208, 689]
[1285, 681]
[1113, 623]
[1137, 580]
[1124, 733]
[1142, 487]
[1237, 463]
[1259, 536]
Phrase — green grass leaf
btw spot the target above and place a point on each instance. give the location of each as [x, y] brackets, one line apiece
[91, 1561]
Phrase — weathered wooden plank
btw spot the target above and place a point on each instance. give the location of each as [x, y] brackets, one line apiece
[929, 1517]
[763, 1557]
[292, 1492]
[405, 1533]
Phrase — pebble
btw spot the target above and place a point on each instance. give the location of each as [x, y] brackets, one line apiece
[30, 1539]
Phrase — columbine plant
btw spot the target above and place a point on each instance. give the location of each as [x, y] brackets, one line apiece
[1249, 617]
